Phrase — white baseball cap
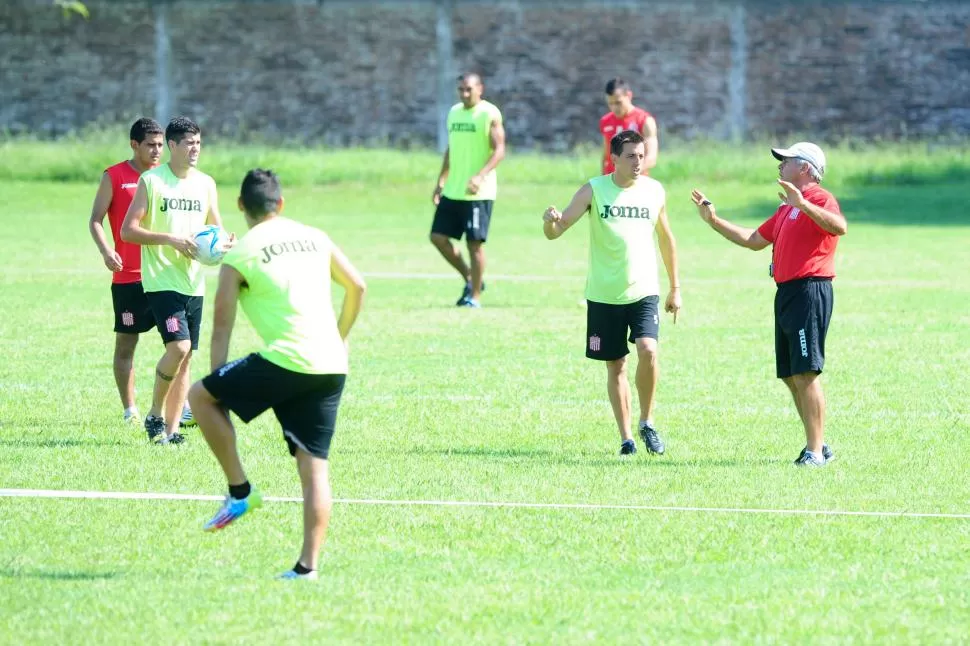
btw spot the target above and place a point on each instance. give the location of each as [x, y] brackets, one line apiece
[805, 151]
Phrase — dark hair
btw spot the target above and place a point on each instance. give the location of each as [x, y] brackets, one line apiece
[617, 84]
[468, 76]
[261, 192]
[622, 138]
[144, 127]
[179, 127]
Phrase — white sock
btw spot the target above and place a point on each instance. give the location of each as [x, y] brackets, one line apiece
[131, 411]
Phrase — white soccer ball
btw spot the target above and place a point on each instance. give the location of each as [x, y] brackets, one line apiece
[211, 242]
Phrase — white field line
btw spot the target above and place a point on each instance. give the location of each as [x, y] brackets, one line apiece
[125, 495]
[532, 278]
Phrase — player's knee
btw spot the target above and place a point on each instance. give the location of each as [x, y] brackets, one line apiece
[647, 349]
[803, 380]
[179, 350]
[198, 396]
[617, 367]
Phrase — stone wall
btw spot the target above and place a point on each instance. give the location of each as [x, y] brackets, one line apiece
[349, 72]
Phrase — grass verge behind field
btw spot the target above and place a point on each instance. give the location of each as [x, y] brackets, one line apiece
[84, 157]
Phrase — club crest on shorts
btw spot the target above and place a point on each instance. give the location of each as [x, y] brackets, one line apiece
[172, 324]
[127, 319]
[594, 343]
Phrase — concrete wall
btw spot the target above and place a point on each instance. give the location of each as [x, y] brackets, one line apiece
[348, 72]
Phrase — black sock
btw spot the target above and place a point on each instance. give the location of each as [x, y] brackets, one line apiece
[240, 491]
[299, 569]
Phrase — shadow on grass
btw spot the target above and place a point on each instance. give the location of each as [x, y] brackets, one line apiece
[61, 443]
[546, 456]
[55, 575]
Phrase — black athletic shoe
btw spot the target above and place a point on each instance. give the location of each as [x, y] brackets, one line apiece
[806, 459]
[826, 453]
[649, 436]
[628, 447]
[155, 427]
[466, 295]
[176, 438]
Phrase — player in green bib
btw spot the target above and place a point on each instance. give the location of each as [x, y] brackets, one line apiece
[280, 272]
[467, 184]
[172, 203]
[622, 284]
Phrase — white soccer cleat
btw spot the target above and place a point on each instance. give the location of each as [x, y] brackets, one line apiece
[187, 419]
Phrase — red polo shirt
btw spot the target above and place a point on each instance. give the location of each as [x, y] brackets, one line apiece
[801, 248]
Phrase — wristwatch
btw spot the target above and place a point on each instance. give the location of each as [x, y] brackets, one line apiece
[707, 203]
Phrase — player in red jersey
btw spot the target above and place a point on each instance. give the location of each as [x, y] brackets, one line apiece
[623, 115]
[132, 314]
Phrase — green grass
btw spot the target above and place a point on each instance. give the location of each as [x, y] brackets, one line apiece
[500, 405]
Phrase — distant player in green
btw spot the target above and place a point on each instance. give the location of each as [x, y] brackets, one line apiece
[467, 184]
[172, 203]
[622, 285]
[280, 272]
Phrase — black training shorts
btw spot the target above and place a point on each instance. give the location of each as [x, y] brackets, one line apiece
[177, 316]
[133, 315]
[453, 218]
[803, 309]
[305, 405]
[607, 325]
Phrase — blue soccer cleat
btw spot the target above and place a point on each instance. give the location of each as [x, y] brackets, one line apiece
[233, 509]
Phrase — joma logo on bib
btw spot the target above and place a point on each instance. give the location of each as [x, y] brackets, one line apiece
[180, 204]
[291, 246]
[641, 212]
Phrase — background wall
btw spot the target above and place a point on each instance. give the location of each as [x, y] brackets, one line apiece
[351, 72]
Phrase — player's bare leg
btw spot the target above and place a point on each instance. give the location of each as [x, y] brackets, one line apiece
[177, 395]
[790, 382]
[648, 374]
[451, 253]
[317, 504]
[618, 387]
[124, 370]
[219, 434]
[476, 252]
[166, 371]
[811, 408]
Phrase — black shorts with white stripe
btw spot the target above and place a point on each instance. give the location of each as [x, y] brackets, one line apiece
[305, 405]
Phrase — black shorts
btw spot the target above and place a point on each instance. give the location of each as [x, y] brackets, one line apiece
[133, 315]
[177, 316]
[803, 309]
[305, 405]
[453, 218]
[607, 325]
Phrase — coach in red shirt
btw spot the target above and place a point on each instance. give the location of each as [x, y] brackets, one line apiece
[804, 233]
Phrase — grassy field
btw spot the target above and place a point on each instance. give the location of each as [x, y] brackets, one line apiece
[499, 405]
